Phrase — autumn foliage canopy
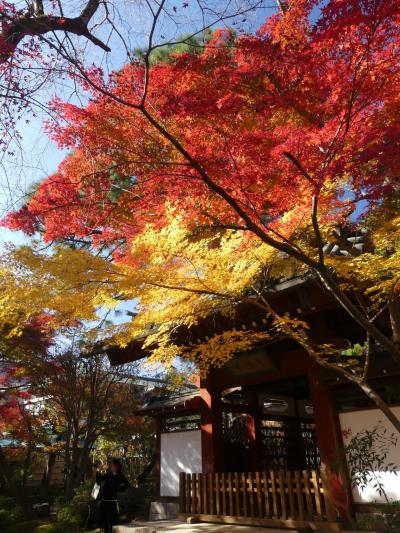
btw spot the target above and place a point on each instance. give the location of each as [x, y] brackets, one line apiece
[310, 103]
[192, 179]
[194, 173]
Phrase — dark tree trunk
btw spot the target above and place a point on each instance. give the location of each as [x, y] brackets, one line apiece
[83, 466]
[71, 471]
[48, 474]
[27, 465]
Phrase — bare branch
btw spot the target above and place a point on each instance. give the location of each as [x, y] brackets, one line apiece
[89, 11]
[314, 207]
[15, 29]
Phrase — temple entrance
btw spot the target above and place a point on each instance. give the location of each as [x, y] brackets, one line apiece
[270, 474]
[270, 426]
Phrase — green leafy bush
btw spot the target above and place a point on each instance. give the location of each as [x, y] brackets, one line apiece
[74, 515]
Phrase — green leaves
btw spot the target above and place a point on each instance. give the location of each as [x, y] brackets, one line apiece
[366, 456]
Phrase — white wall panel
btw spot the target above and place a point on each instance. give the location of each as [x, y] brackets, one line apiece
[180, 452]
[359, 420]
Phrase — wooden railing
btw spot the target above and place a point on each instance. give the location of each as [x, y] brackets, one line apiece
[299, 497]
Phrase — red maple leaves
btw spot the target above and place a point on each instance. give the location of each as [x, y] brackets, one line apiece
[303, 104]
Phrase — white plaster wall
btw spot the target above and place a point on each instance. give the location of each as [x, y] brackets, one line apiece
[180, 452]
[360, 420]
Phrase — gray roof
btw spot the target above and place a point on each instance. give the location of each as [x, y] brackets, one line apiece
[170, 401]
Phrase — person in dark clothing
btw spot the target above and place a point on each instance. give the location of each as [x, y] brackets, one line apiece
[112, 482]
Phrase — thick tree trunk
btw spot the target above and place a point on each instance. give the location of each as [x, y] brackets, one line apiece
[71, 472]
[83, 464]
[78, 467]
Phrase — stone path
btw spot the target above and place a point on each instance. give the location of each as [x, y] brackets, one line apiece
[175, 525]
[161, 526]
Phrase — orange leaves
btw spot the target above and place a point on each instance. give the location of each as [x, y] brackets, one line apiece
[291, 26]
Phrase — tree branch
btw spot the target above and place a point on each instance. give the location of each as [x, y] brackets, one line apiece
[15, 29]
[314, 208]
[89, 10]
[300, 168]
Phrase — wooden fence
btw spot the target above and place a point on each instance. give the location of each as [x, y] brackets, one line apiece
[276, 498]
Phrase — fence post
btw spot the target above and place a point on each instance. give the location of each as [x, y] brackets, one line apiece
[182, 493]
[194, 494]
[317, 494]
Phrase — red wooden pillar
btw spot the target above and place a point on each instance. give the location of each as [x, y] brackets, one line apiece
[329, 439]
[327, 425]
[212, 444]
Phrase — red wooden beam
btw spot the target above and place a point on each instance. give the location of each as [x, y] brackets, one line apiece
[211, 427]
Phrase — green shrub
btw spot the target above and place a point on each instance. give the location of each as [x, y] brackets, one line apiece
[68, 520]
[73, 516]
